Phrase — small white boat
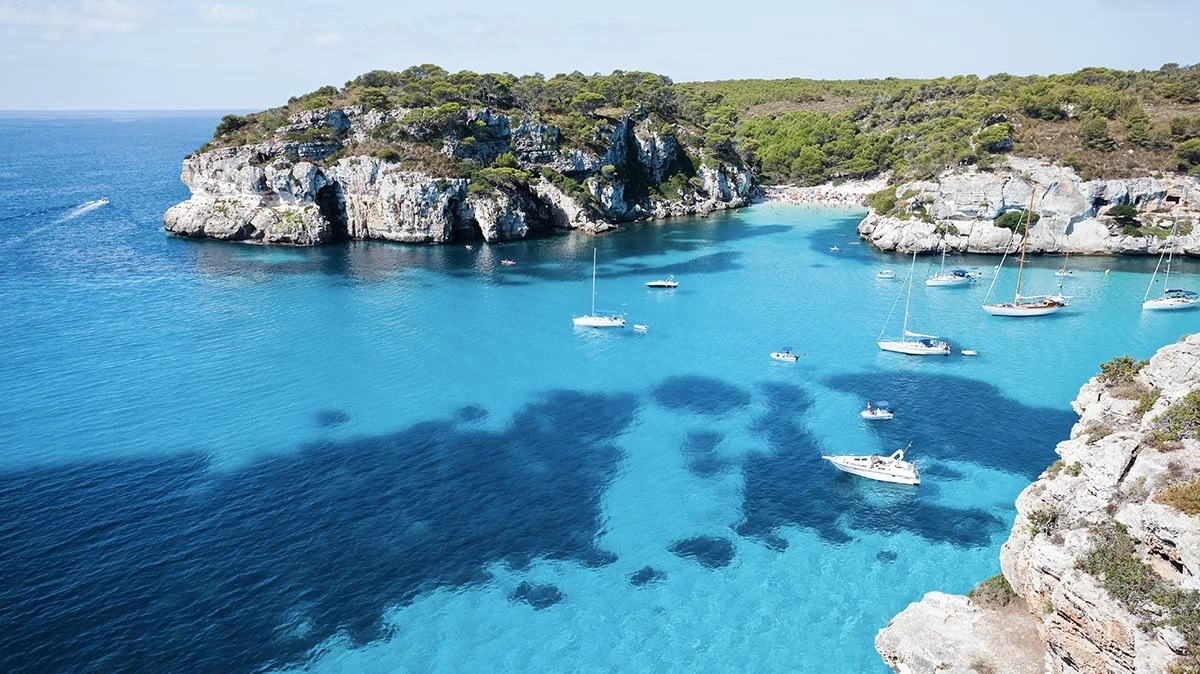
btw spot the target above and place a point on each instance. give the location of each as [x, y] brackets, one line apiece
[886, 274]
[834, 249]
[880, 411]
[508, 263]
[786, 355]
[641, 327]
[970, 352]
[668, 282]
[1064, 272]
[875, 467]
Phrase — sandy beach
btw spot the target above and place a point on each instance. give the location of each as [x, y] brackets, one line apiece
[847, 194]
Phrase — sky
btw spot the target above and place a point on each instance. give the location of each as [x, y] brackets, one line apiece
[252, 54]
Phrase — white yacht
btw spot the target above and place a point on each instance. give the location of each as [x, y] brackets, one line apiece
[668, 282]
[913, 343]
[598, 320]
[875, 467]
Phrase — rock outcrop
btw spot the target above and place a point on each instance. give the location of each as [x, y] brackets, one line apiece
[958, 209]
[295, 187]
[1112, 474]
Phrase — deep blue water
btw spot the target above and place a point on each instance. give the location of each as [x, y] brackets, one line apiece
[380, 458]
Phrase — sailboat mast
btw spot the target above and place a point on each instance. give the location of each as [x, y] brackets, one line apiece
[593, 281]
[1024, 245]
[912, 270]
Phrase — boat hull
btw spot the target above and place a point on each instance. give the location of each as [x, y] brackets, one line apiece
[661, 284]
[876, 415]
[785, 357]
[914, 348]
[1021, 309]
[860, 466]
[599, 321]
[947, 281]
[1169, 304]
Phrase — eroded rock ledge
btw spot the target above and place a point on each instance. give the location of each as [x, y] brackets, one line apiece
[1113, 472]
[956, 212]
[298, 192]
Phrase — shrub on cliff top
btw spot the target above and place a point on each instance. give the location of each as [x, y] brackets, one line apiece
[1015, 220]
[994, 592]
[1120, 370]
[1181, 420]
[1183, 496]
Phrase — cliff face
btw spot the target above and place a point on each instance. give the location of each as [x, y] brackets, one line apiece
[1121, 601]
[294, 186]
[957, 211]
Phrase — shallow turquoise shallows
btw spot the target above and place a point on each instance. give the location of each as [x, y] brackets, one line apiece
[380, 458]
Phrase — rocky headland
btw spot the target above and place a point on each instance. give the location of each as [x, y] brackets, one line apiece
[322, 176]
[1100, 570]
[958, 212]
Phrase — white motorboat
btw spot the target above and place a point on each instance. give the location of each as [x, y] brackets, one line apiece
[885, 274]
[1171, 299]
[641, 327]
[668, 282]
[786, 355]
[1033, 305]
[875, 467]
[594, 319]
[969, 352]
[948, 279]
[834, 249]
[880, 411]
[913, 343]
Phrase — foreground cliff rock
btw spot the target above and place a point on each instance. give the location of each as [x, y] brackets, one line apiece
[437, 174]
[957, 212]
[1103, 557]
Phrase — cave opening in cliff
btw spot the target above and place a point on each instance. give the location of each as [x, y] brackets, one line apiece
[332, 206]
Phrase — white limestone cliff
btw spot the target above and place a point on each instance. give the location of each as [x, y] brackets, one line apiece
[957, 211]
[284, 190]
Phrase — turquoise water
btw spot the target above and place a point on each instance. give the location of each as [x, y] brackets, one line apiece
[378, 458]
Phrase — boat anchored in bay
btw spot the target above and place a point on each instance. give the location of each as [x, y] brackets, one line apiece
[891, 468]
[919, 345]
[1172, 298]
[1035, 305]
[598, 320]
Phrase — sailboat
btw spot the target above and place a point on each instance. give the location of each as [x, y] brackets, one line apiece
[1171, 299]
[919, 345]
[955, 277]
[1037, 305]
[595, 320]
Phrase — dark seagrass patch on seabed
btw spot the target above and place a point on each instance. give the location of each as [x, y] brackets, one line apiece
[331, 418]
[209, 567]
[646, 575]
[711, 552]
[700, 395]
[537, 596]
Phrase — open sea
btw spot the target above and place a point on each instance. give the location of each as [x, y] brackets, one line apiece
[383, 458]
